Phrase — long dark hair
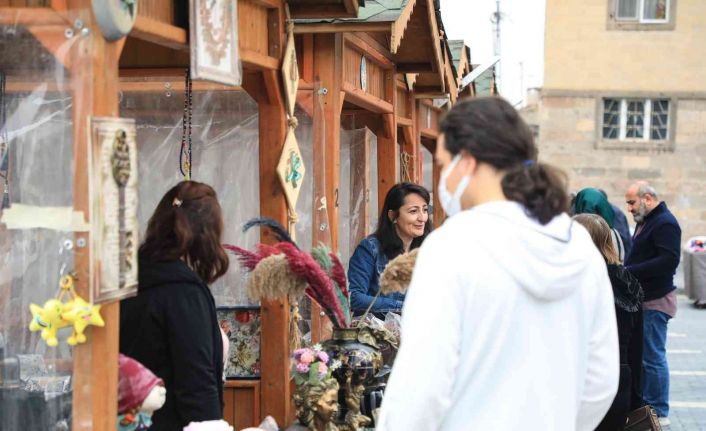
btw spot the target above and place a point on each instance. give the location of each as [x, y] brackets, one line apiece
[386, 233]
[491, 130]
[188, 223]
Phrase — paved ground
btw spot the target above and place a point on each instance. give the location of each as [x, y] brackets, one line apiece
[686, 353]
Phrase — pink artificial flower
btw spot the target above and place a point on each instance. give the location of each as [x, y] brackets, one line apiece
[302, 368]
[307, 357]
[323, 369]
[323, 357]
[298, 353]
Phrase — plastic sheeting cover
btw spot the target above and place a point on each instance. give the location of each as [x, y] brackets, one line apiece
[225, 153]
[35, 380]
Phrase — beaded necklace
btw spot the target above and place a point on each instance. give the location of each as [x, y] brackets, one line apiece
[185, 153]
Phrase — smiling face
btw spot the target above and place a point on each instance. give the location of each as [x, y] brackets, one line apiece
[412, 217]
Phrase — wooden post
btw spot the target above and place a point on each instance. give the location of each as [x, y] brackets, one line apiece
[95, 86]
[328, 70]
[275, 389]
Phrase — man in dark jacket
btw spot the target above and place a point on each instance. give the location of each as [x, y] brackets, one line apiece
[653, 260]
[620, 223]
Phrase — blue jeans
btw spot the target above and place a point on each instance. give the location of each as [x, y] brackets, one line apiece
[655, 376]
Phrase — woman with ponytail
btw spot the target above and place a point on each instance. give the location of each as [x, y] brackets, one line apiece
[508, 323]
[171, 325]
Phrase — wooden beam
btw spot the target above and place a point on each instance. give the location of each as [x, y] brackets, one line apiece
[404, 121]
[388, 164]
[415, 67]
[31, 16]
[400, 26]
[351, 6]
[275, 387]
[256, 61]
[328, 69]
[367, 101]
[307, 57]
[160, 33]
[267, 4]
[320, 11]
[371, 52]
[388, 125]
[94, 74]
[272, 87]
[430, 133]
[371, 27]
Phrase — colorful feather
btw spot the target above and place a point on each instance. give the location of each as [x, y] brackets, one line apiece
[247, 259]
[339, 274]
[320, 284]
[321, 255]
[280, 232]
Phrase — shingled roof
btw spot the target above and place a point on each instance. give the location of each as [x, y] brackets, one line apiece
[373, 11]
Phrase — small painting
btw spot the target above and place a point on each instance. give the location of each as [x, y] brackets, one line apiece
[214, 41]
[242, 327]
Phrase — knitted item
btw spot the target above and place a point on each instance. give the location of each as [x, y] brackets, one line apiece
[134, 384]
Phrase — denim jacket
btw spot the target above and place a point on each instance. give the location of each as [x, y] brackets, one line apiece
[364, 269]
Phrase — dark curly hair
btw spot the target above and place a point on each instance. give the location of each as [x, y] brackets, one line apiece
[491, 130]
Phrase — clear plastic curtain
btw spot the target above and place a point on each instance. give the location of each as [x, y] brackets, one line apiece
[36, 134]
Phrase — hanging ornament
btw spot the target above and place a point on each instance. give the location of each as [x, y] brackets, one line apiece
[67, 309]
[4, 149]
[185, 153]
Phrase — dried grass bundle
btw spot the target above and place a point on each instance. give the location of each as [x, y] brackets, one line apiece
[397, 275]
[272, 279]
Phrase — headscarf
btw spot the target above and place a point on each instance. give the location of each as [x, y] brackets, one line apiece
[592, 201]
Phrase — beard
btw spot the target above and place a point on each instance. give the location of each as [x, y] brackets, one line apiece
[641, 213]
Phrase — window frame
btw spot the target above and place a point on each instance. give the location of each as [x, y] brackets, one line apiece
[640, 23]
[646, 142]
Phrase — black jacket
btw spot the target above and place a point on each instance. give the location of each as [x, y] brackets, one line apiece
[656, 247]
[628, 312]
[171, 328]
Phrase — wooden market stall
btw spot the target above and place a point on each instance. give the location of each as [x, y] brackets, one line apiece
[69, 57]
[362, 64]
[381, 70]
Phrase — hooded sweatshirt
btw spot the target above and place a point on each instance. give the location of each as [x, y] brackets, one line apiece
[507, 325]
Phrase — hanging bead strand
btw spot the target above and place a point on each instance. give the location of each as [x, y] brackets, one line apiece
[186, 142]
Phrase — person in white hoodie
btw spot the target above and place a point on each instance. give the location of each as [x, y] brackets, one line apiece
[509, 321]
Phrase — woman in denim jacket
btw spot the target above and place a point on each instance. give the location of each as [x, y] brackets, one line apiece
[404, 223]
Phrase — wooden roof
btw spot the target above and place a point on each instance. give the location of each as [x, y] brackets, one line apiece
[325, 8]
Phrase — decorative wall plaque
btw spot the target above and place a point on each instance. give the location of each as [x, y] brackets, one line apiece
[113, 191]
[214, 41]
[291, 169]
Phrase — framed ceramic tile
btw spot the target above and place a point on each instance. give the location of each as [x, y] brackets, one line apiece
[113, 195]
[214, 41]
[242, 326]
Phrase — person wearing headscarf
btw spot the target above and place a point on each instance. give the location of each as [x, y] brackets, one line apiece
[592, 201]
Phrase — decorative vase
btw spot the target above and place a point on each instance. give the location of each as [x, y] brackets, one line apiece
[360, 363]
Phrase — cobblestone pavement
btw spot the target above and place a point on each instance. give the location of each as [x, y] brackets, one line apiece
[686, 353]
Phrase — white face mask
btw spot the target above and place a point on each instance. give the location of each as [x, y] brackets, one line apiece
[451, 203]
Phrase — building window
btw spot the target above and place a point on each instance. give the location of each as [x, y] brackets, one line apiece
[641, 15]
[643, 11]
[636, 119]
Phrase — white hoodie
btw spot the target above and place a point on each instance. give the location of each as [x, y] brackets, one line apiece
[507, 325]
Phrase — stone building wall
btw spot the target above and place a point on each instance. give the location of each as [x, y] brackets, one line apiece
[568, 132]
